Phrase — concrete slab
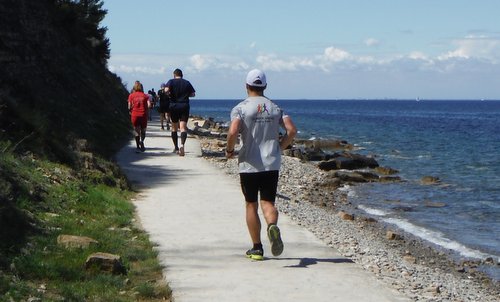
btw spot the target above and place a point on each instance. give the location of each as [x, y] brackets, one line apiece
[195, 213]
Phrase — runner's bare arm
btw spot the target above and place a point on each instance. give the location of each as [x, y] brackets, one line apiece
[232, 136]
[291, 131]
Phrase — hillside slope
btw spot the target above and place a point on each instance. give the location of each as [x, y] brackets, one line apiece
[58, 103]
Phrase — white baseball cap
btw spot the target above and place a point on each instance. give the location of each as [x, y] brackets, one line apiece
[256, 78]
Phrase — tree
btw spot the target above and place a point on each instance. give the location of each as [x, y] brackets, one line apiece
[82, 19]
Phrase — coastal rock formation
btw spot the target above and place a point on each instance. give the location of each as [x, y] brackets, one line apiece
[385, 170]
[325, 144]
[206, 127]
[349, 167]
[348, 161]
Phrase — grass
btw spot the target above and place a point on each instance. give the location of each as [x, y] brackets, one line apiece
[54, 199]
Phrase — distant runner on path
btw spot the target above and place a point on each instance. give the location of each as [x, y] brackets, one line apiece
[258, 120]
[179, 90]
[163, 109]
[139, 104]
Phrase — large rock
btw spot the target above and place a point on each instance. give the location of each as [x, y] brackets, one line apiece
[106, 262]
[364, 161]
[389, 179]
[348, 161]
[202, 131]
[369, 176]
[194, 123]
[314, 150]
[206, 127]
[331, 183]
[390, 235]
[321, 144]
[314, 155]
[309, 154]
[332, 164]
[386, 170]
[345, 216]
[348, 176]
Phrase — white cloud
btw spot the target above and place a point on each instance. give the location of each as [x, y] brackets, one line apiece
[148, 64]
[479, 47]
[417, 55]
[332, 58]
[472, 55]
[272, 62]
[372, 42]
[366, 60]
[200, 63]
[336, 54]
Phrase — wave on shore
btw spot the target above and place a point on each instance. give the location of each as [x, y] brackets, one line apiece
[431, 236]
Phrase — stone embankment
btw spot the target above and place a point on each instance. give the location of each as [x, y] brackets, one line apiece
[317, 199]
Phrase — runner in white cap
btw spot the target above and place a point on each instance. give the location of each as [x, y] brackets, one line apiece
[259, 120]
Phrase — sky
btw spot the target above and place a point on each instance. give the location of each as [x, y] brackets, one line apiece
[324, 49]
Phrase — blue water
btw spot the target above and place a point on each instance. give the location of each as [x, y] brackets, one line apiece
[457, 141]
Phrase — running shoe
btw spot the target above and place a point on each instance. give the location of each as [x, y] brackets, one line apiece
[255, 254]
[273, 232]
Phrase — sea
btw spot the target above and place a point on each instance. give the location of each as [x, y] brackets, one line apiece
[457, 141]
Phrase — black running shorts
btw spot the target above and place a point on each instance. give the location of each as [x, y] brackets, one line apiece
[179, 114]
[264, 182]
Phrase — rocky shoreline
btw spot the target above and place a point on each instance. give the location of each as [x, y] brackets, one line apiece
[317, 201]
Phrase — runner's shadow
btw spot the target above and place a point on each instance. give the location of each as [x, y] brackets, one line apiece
[306, 262]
